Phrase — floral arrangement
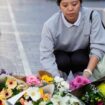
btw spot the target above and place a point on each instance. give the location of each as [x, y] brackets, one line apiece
[45, 90]
[91, 93]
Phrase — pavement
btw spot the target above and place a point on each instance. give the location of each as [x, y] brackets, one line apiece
[21, 23]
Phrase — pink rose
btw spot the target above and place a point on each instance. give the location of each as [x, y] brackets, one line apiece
[33, 80]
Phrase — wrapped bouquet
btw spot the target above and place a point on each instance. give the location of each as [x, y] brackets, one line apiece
[41, 89]
[91, 94]
[44, 89]
[9, 87]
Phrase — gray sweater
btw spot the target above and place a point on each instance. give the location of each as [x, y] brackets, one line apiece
[57, 36]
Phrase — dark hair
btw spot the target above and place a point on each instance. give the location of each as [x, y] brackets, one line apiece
[58, 2]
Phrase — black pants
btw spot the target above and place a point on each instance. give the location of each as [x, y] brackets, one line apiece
[76, 61]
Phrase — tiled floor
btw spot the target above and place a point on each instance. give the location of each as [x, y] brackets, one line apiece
[21, 23]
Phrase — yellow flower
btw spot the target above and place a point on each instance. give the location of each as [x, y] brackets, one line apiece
[47, 78]
[2, 96]
[41, 91]
[7, 93]
[11, 83]
[46, 97]
[101, 88]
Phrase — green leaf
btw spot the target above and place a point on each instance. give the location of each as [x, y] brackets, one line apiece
[49, 103]
[15, 91]
[18, 103]
[2, 85]
[36, 103]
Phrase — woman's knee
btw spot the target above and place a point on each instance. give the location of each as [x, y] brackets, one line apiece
[80, 58]
[79, 61]
[62, 60]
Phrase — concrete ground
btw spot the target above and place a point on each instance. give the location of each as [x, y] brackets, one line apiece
[21, 22]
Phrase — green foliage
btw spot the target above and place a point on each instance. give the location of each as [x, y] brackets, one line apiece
[2, 85]
[49, 103]
[92, 95]
[15, 91]
[18, 103]
[37, 102]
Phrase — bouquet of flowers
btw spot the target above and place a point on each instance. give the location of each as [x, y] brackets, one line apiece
[9, 87]
[93, 96]
[44, 89]
[92, 93]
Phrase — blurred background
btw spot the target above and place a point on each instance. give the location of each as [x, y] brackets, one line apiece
[21, 23]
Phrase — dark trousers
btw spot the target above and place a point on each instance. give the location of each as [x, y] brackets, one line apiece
[76, 61]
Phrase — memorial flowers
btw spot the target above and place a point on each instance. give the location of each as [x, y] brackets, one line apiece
[46, 90]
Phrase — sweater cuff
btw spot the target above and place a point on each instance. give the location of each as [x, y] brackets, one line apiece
[95, 52]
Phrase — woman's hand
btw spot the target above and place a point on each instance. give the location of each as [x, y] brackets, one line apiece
[91, 66]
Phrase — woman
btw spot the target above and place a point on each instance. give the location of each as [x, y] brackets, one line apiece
[70, 41]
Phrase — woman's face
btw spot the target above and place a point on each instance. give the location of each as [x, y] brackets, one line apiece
[70, 9]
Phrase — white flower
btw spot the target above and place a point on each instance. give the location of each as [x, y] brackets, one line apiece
[59, 85]
[61, 89]
[65, 100]
[74, 99]
[65, 84]
[62, 86]
[56, 99]
[69, 100]
[34, 93]
[43, 103]
[58, 79]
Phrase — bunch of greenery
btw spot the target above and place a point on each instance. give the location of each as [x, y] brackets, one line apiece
[92, 96]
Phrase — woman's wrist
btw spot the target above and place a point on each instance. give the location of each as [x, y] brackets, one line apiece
[87, 72]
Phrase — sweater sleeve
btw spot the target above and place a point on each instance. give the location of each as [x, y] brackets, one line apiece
[97, 37]
[47, 57]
